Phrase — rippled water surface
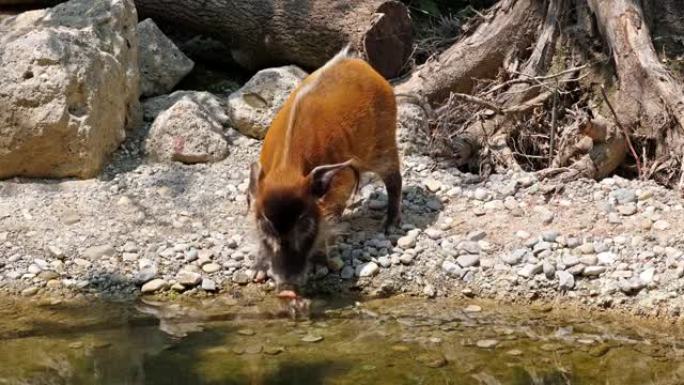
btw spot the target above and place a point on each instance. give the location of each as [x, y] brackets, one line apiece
[397, 341]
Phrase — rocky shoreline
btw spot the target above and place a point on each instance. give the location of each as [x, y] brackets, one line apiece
[173, 228]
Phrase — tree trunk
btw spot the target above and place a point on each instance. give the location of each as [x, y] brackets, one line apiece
[276, 32]
[509, 28]
[520, 75]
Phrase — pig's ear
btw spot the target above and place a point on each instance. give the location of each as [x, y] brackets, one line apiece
[255, 175]
[320, 178]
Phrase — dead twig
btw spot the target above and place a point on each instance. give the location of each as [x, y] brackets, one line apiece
[552, 140]
[624, 131]
[474, 99]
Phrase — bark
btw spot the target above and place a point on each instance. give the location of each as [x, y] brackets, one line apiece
[509, 28]
[648, 96]
[265, 33]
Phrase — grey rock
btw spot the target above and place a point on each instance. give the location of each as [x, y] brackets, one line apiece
[189, 278]
[252, 108]
[208, 284]
[549, 269]
[468, 260]
[593, 271]
[529, 270]
[187, 133]
[452, 269]
[515, 257]
[162, 64]
[367, 269]
[97, 252]
[347, 272]
[566, 281]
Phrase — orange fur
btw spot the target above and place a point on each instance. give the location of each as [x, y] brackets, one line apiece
[346, 111]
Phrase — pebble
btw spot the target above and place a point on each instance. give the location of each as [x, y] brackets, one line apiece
[529, 270]
[189, 278]
[406, 258]
[386, 262]
[30, 291]
[593, 271]
[452, 269]
[211, 267]
[406, 242]
[628, 209]
[347, 272]
[647, 275]
[476, 235]
[154, 285]
[367, 269]
[433, 185]
[606, 258]
[515, 257]
[97, 252]
[549, 269]
[468, 260]
[661, 225]
[311, 338]
[472, 309]
[566, 281]
[487, 344]
[550, 235]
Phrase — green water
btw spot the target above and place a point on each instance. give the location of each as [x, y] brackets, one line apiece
[398, 341]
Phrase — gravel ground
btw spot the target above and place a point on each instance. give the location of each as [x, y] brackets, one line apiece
[171, 228]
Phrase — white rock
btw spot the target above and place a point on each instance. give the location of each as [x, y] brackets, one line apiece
[189, 278]
[566, 281]
[452, 269]
[406, 242]
[647, 275]
[468, 260]
[529, 270]
[368, 269]
[208, 284]
[68, 87]
[606, 258]
[97, 252]
[661, 225]
[162, 64]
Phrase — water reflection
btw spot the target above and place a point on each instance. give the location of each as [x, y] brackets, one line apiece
[384, 342]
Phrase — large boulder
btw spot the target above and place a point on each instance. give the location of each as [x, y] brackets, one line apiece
[68, 87]
[252, 108]
[186, 132]
[162, 64]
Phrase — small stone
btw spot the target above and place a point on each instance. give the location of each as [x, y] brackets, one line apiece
[189, 278]
[606, 258]
[211, 267]
[590, 259]
[311, 338]
[434, 234]
[661, 225]
[522, 234]
[34, 269]
[530, 270]
[433, 185]
[347, 272]
[376, 204]
[550, 235]
[154, 285]
[628, 209]
[647, 275]
[385, 261]
[515, 352]
[472, 309]
[429, 291]
[406, 242]
[407, 258]
[470, 247]
[646, 224]
[241, 278]
[468, 260]
[630, 286]
[487, 344]
[434, 204]
[549, 269]
[566, 281]
[476, 235]
[246, 332]
[273, 350]
[586, 248]
[178, 287]
[593, 271]
[623, 196]
[367, 269]
[482, 194]
[97, 252]
[28, 292]
[452, 269]
[515, 257]
[55, 251]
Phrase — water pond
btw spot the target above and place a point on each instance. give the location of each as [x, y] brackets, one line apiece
[392, 341]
